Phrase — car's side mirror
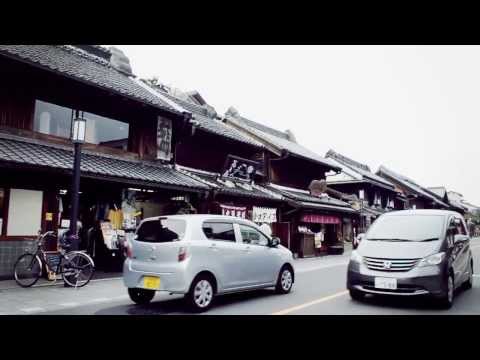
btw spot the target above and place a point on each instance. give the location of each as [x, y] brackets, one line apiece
[275, 242]
[357, 240]
[459, 238]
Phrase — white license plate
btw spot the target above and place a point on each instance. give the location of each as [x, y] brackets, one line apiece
[385, 283]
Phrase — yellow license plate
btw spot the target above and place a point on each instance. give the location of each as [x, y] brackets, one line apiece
[151, 282]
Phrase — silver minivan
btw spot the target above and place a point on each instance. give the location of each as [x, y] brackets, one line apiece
[202, 256]
[413, 252]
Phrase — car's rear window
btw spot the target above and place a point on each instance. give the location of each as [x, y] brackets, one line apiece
[162, 230]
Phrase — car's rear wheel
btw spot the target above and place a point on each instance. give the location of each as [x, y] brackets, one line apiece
[469, 283]
[201, 294]
[284, 281]
[356, 295]
[141, 296]
[446, 301]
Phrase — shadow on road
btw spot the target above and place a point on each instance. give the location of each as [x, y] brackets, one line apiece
[179, 306]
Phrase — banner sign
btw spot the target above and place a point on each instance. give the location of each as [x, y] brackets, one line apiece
[164, 139]
[239, 168]
[236, 211]
[264, 215]
[320, 219]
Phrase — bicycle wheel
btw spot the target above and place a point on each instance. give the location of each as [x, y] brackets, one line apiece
[27, 270]
[78, 269]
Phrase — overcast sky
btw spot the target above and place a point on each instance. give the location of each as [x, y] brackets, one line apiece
[414, 109]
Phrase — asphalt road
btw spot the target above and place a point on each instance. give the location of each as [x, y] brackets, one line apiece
[319, 290]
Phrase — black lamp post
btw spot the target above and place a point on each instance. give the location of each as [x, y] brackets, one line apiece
[79, 126]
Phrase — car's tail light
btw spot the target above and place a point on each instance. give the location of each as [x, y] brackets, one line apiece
[129, 251]
[182, 253]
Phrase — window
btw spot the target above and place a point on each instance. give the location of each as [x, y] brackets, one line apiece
[24, 212]
[161, 231]
[459, 227]
[219, 231]
[56, 120]
[52, 119]
[252, 236]
[407, 227]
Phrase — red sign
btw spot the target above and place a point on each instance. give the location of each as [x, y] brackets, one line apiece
[320, 219]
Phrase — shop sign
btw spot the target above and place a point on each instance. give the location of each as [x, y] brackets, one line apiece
[239, 168]
[164, 139]
[264, 215]
[234, 211]
[320, 219]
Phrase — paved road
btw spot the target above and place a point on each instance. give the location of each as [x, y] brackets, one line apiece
[319, 290]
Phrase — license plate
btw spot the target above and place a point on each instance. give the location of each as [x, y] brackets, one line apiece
[385, 283]
[151, 282]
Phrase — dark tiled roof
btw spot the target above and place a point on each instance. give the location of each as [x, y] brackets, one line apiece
[361, 169]
[82, 66]
[208, 123]
[301, 196]
[210, 179]
[412, 185]
[59, 157]
[280, 140]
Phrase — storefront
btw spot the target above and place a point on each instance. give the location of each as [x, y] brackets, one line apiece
[317, 225]
[114, 196]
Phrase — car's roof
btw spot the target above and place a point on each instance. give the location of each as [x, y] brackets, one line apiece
[423, 212]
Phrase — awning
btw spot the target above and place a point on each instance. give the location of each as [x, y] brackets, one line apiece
[320, 219]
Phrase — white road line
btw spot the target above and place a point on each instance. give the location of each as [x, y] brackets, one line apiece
[99, 300]
[314, 302]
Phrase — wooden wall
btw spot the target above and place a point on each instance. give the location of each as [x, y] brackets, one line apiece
[296, 172]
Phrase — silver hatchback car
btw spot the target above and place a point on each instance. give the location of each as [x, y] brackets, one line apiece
[202, 256]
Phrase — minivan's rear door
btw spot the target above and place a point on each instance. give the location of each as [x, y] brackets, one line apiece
[156, 245]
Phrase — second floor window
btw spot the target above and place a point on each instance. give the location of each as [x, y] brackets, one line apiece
[56, 120]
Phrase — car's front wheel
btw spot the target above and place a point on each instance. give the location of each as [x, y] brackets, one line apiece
[284, 281]
[141, 296]
[446, 301]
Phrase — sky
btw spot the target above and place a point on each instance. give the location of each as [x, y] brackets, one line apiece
[414, 109]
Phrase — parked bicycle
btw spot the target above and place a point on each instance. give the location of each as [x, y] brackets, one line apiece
[75, 267]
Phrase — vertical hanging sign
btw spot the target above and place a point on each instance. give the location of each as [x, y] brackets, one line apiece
[164, 139]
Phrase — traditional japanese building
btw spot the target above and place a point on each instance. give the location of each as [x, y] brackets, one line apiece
[375, 195]
[127, 169]
[312, 221]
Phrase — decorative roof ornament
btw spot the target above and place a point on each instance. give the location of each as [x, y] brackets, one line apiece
[318, 188]
[120, 61]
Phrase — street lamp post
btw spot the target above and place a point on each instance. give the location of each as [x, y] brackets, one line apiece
[79, 126]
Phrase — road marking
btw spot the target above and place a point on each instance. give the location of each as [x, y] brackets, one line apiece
[314, 302]
[99, 300]
[33, 309]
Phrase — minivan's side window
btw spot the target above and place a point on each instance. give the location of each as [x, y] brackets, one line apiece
[219, 231]
[252, 236]
[460, 227]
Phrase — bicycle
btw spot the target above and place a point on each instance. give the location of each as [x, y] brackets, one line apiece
[75, 267]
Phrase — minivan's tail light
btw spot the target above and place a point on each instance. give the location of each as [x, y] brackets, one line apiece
[182, 253]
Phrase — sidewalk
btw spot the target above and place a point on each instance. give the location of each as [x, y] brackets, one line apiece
[98, 275]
